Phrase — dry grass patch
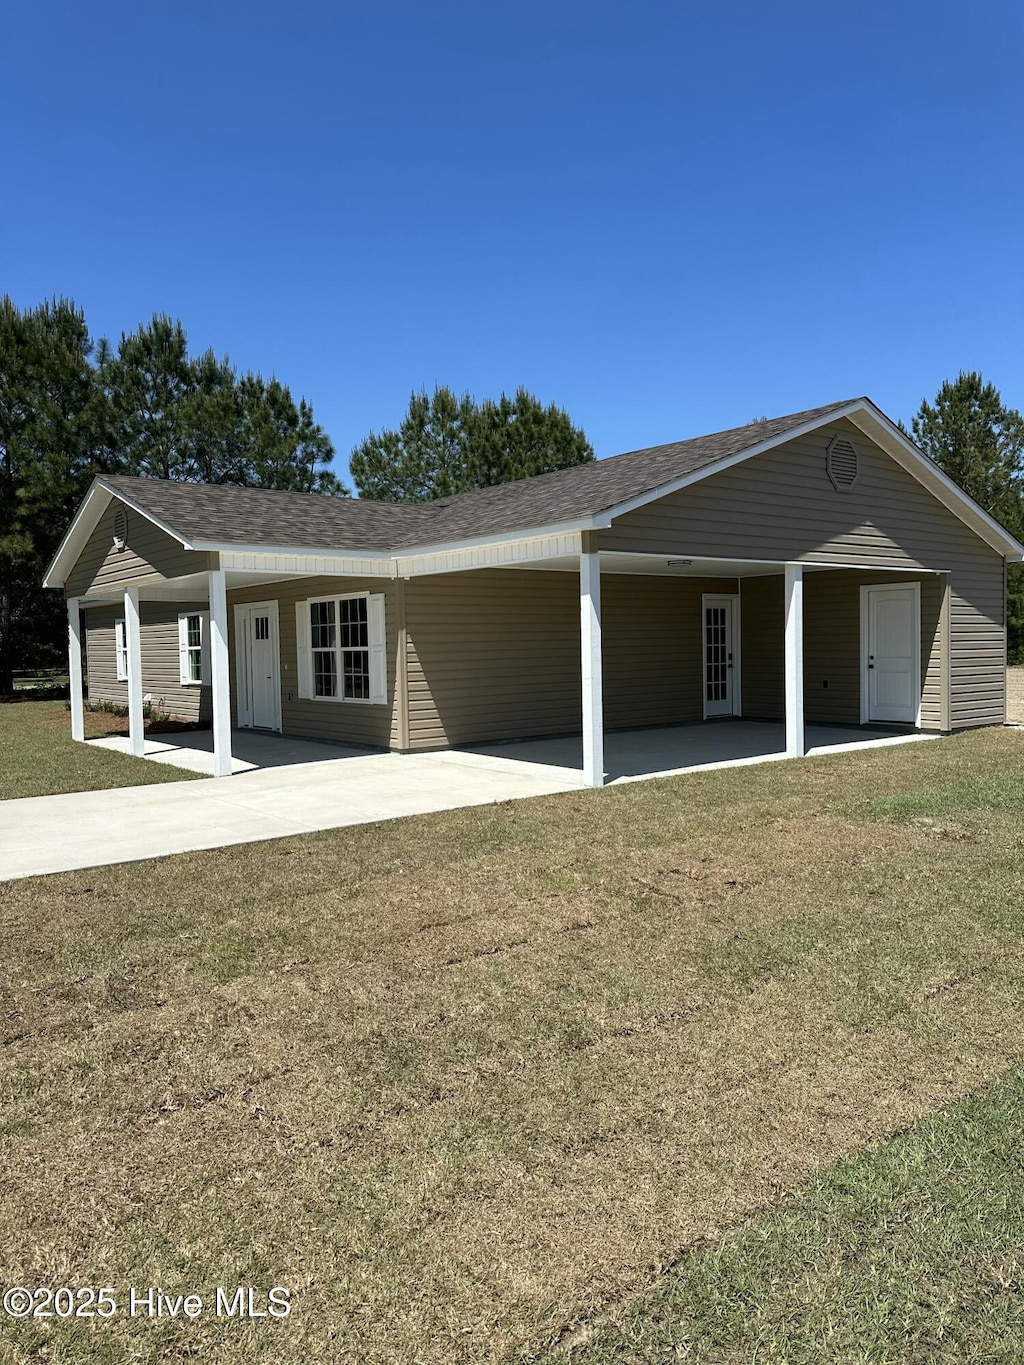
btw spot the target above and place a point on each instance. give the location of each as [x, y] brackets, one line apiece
[38, 757]
[461, 1080]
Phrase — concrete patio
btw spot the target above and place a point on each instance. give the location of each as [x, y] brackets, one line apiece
[630, 755]
[282, 786]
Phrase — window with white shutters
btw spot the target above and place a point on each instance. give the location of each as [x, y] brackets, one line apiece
[342, 648]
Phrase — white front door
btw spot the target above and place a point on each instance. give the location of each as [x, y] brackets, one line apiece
[721, 657]
[257, 653]
[892, 666]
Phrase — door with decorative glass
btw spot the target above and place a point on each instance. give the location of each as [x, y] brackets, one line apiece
[721, 655]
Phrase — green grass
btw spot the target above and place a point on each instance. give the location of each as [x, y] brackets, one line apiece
[467, 1082]
[912, 1251]
[39, 758]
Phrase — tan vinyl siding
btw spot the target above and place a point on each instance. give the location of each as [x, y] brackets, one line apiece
[780, 505]
[151, 556]
[492, 654]
[653, 648]
[161, 670]
[978, 645]
[346, 722]
[495, 653]
[762, 656]
[832, 645]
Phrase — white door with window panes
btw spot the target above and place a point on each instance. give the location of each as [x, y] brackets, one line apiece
[720, 618]
[257, 658]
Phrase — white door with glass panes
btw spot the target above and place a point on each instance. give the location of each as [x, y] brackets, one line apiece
[257, 655]
[720, 616]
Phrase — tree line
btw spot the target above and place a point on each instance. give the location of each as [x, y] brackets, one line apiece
[72, 408]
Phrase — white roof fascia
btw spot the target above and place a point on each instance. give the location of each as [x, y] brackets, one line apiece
[82, 526]
[599, 521]
[443, 547]
[508, 554]
[225, 547]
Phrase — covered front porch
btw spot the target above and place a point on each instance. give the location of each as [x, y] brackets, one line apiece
[629, 755]
[784, 627]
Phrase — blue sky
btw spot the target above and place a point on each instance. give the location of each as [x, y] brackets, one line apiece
[667, 218]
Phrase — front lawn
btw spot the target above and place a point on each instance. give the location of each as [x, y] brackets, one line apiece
[912, 1251]
[466, 1083]
[38, 757]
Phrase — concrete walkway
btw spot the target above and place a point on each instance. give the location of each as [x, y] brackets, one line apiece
[287, 786]
[124, 824]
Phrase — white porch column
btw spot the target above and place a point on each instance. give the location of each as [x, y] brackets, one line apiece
[75, 670]
[590, 661]
[795, 744]
[220, 679]
[133, 644]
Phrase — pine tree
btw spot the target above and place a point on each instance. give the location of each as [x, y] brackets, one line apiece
[46, 412]
[979, 442]
[447, 444]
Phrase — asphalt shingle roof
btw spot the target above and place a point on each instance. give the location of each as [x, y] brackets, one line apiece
[259, 516]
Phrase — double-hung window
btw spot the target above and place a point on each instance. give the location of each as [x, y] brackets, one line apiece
[121, 649]
[342, 648]
[193, 628]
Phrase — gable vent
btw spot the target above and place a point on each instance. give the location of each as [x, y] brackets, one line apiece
[120, 530]
[841, 462]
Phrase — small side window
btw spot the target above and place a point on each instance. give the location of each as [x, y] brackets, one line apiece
[191, 648]
[121, 649]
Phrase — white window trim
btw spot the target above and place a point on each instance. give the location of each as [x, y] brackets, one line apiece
[376, 649]
[120, 650]
[204, 649]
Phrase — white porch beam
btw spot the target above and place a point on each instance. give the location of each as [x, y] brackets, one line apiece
[591, 664]
[795, 741]
[133, 644]
[75, 670]
[220, 678]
